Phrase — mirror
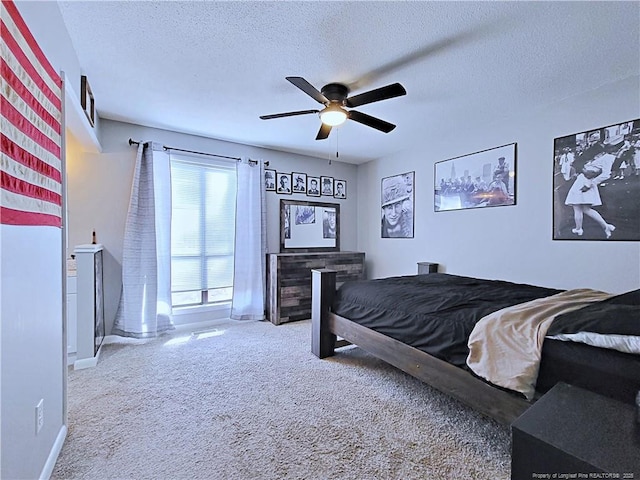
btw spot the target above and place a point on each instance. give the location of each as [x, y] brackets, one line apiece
[309, 226]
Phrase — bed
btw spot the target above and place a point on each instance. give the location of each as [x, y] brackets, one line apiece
[439, 327]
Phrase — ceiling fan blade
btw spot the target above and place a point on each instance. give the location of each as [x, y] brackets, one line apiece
[324, 132]
[309, 89]
[370, 121]
[382, 93]
[287, 114]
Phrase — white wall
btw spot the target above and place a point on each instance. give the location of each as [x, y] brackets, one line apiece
[511, 243]
[32, 355]
[99, 186]
[33, 360]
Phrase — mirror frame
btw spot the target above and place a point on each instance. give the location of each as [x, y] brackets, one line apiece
[284, 249]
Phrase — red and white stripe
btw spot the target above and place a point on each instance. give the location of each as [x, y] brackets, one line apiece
[30, 127]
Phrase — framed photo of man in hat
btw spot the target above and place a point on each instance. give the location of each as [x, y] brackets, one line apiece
[270, 180]
[299, 182]
[326, 186]
[397, 199]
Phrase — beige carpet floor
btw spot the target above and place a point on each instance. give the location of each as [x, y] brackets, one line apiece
[249, 401]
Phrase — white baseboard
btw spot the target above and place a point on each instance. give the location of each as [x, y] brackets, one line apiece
[53, 455]
[87, 362]
[71, 358]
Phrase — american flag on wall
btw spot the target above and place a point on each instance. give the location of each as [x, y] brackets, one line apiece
[31, 128]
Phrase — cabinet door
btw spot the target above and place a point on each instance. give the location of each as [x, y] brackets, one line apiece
[98, 301]
[72, 323]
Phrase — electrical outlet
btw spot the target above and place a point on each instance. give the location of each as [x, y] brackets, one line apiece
[39, 415]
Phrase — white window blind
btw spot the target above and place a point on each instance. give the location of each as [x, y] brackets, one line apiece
[203, 195]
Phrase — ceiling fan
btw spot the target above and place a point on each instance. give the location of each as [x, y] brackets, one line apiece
[335, 100]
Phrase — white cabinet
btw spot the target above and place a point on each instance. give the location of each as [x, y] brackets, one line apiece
[89, 305]
[72, 316]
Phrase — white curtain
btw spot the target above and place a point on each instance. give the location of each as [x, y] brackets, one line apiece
[145, 301]
[248, 302]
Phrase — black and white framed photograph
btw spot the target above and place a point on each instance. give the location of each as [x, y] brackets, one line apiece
[270, 180]
[596, 184]
[299, 182]
[340, 187]
[305, 214]
[286, 221]
[283, 182]
[328, 223]
[313, 186]
[481, 179]
[326, 186]
[397, 200]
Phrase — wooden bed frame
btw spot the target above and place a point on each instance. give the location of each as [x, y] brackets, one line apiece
[326, 326]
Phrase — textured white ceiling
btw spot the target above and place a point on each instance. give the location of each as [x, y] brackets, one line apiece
[212, 68]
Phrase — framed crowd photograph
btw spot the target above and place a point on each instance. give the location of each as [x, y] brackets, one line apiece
[313, 186]
[397, 198]
[340, 187]
[283, 183]
[299, 182]
[481, 179]
[326, 186]
[270, 180]
[596, 184]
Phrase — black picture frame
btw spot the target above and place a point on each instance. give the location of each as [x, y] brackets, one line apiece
[283, 183]
[326, 186]
[269, 180]
[87, 101]
[481, 179]
[299, 182]
[313, 186]
[596, 184]
[340, 189]
[397, 198]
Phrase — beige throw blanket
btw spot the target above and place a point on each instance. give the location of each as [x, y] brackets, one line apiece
[505, 347]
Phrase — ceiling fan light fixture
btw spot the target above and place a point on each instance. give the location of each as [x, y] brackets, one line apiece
[333, 115]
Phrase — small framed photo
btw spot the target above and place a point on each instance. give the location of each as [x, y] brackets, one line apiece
[340, 189]
[326, 186]
[86, 100]
[283, 183]
[313, 186]
[270, 180]
[299, 182]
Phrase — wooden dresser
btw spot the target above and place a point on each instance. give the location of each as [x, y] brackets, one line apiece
[289, 280]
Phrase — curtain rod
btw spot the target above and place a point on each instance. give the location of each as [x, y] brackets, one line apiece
[134, 142]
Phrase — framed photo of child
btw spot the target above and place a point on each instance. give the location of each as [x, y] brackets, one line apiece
[596, 184]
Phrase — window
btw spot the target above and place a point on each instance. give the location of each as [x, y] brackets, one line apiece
[203, 195]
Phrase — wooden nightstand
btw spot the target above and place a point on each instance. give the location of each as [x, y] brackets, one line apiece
[573, 431]
[426, 267]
